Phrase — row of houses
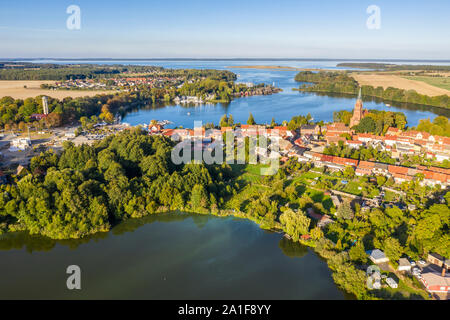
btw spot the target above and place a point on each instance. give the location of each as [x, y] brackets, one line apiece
[397, 142]
[277, 133]
[430, 175]
[292, 147]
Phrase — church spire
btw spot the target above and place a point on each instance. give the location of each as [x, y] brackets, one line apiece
[358, 112]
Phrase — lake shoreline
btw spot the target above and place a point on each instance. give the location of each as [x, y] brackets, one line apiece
[280, 68]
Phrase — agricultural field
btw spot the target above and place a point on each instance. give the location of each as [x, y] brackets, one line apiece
[395, 81]
[22, 89]
[440, 82]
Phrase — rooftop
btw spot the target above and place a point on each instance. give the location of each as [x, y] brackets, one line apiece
[377, 254]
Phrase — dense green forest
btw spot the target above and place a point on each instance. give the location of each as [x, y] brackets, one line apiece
[439, 126]
[36, 71]
[89, 188]
[16, 113]
[341, 82]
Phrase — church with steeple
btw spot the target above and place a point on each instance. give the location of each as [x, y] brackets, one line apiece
[358, 112]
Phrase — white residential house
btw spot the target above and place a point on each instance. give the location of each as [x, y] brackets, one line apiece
[404, 265]
[391, 282]
[20, 144]
[70, 134]
[377, 256]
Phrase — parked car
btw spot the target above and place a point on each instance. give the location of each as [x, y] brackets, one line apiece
[422, 262]
[413, 264]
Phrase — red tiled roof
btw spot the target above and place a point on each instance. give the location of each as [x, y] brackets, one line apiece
[345, 161]
[397, 169]
[167, 132]
[392, 129]
[389, 137]
[366, 165]
[299, 142]
[364, 171]
[326, 158]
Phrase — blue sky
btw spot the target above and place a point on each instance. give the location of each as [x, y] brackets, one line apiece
[226, 29]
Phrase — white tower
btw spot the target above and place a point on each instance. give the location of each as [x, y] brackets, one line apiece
[45, 104]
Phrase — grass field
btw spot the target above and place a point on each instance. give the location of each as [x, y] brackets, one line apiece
[17, 90]
[395, 81]
[440, 82]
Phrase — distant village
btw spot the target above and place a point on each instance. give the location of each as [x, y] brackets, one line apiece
[119, 83]
[129, 84]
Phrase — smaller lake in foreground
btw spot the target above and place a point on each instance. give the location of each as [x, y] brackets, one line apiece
[170, 256]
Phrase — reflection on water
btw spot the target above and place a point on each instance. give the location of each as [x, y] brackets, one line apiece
[32, 243]
[292, 249]
[281, 106]
[394, 104]
[167, 256]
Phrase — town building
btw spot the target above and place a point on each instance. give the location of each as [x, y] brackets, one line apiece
[392, 283]
[45, 105]
[358, 112]
[404, 265]
[337, 128]
[436, 283]
[377, 256]
[322, 220]
[20, 144]
[310, 130]
[438, 260]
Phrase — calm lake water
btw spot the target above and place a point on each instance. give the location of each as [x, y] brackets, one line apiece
[281, 106]
[170, 256]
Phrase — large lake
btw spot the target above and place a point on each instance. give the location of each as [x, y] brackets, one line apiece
[170, 256]
[282, 106]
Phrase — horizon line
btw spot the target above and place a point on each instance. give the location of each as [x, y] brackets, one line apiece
[227, 59]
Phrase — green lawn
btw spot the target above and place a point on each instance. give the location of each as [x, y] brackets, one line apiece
[249, 173]
[352, 187]
[390, 196]
[440, 82]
